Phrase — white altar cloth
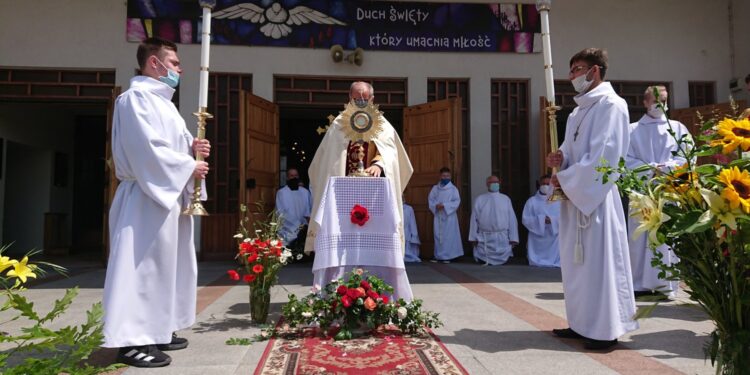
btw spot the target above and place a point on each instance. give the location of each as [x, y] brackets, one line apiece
[341, 245]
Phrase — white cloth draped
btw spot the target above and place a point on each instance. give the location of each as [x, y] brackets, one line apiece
[543, 247]
[411, 236]
[447, 235]
[150, 286]
[294, 206]
[493, 226]
[597, 281]
[331, 158]
[651, 144]
[341, 245]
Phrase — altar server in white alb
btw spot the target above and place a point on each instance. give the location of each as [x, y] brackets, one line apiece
[541, 218]
[493, 228]
[443, 202]
[293, 203]
[411, 236]
[150, 286]
[594, 257]
[651, 144]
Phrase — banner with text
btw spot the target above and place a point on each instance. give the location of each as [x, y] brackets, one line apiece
[371, 25]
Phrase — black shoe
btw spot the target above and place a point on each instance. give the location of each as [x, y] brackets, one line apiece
[143, 356]
[177, 343]
[592, 344]
[567, 333]
[643, 293]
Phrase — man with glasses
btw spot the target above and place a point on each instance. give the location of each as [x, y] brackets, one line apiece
[594, 257]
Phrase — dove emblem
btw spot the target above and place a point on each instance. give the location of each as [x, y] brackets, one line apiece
[276, 21]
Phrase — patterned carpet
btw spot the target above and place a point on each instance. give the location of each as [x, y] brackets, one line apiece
[383, 352]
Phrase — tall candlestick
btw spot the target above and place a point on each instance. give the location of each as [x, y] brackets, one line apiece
[205, 47]
[196, 207]
[543, 8]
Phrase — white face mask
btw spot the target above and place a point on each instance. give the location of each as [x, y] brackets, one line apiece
[655, 112]
[580, 83]
[546, 189]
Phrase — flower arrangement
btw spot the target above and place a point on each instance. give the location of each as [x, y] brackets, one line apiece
[701, 210]
[261, 254]
[359, 300]
[63, 350]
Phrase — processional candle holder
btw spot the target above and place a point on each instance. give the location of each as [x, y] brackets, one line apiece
[195, 208]
[543, 6]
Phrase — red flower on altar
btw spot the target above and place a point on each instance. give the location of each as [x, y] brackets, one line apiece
[359, 215]
[346, 301]
[257, 268]
[341, 290]
[249, 278]
[252, 257]
[385, 299]
[365, 285]
[352, 293]
[372, 294]
[233, 275]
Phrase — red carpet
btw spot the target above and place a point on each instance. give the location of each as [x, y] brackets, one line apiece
[384, 352]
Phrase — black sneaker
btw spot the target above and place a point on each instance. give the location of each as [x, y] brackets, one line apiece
[592, 344]
[567, 333]
[177, 343]
[143, 356]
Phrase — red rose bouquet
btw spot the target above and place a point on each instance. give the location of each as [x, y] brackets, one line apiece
[260, 255]
[358, 300]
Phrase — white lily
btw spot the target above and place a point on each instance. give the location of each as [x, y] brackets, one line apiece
[720, 208]
[649, 213]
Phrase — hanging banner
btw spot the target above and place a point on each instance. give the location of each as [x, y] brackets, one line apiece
[371, 25]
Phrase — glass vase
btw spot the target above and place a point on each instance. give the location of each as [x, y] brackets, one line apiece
[260, 300]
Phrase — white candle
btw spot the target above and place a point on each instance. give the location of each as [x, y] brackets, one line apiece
[205, 45]
[547, 52]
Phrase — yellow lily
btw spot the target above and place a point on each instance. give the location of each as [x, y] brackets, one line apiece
[721, 208]
[21, 270]
[649, 213]
[6, 262]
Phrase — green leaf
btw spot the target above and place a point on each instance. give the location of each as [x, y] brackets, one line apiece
[23, 306]
[704, 222]
[644, 311]
[60, 305]
[684, 222]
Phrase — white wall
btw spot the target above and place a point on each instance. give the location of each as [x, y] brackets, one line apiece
[741, 14]
[666, 40]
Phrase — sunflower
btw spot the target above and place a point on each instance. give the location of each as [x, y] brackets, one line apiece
[680, 180]
[734, 133]
[737, 190]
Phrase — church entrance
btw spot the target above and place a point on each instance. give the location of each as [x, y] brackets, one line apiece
[53, 178]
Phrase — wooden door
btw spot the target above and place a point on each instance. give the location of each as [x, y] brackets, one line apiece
[259, 147]
[432, 137]
[110, 179]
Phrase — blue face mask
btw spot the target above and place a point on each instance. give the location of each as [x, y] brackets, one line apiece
[495, 187]
[361, 103]
[444, 181]
[172, 79]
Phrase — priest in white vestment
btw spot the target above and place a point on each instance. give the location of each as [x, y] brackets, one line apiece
[493, 227]
[384, 156]
[443, 202]
[594, 257]
[293, 205]
[411, 236]
[651, 144]
[150, 286]
[541, 218]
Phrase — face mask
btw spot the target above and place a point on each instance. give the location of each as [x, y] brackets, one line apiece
[581, 84]
[655, 112]
[495, 187]
[545, 189]
[444, 181]
[293, 183]
[361, 103]
[172, 79]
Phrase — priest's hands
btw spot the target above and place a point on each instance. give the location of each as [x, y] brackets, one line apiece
[202, 147]
[555, 159]
[374, 171]
[201, 170]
